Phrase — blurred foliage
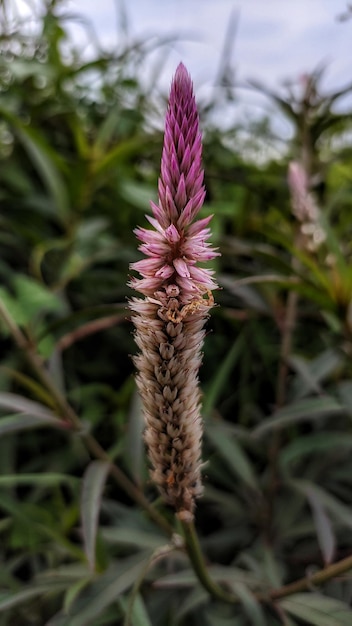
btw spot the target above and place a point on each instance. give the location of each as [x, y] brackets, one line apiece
[79, 160]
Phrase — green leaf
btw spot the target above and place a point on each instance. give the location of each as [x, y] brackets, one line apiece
[13, 309]
[34, 298]
[121, 152]
[36, 390]
[196, 598]
[139, 616]
[137, 194]
[24, 421]
[222, 574]
[132, 537]
[233, 455]
[304, 410]
[45, 159]
[104, 592]
[134, 451]
[73, 591]
[106, 131]
[338, 510]
[344, 391]
[10, 600]
[311, 373]
[47, 479]
[15, 402]
[318, 610]
[250, 296]
[317, 443]
[221, 379]
[92, 490]
[325, 534]
[250, 605]
[272, 568]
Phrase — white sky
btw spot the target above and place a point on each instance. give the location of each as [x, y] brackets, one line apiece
[275, 39]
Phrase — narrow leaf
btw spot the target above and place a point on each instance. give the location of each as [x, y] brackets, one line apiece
[73, 591]
[105, 591]
[92, 489]
[24, 421]
[232, 453]
[44, 159]
[318, 610]
[338, 510]
[134, 448]
[226, 575]
[250, 605]
[139, 616]
[41, 480]
[317, 443]
[304, 410]
[10, 600]
[325, 534]
[312, 373]
[18, 403]
[132, 537]
[221, 378]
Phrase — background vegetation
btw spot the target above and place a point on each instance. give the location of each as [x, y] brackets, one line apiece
[84, 542]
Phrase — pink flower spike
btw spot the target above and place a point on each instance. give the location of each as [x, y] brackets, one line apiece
[169, 319]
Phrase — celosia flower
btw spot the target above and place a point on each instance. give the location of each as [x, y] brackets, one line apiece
[304, 207]
[169, 319]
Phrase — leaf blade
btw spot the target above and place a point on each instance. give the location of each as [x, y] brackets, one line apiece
[92, 490]
[311, 408]
[318, 610]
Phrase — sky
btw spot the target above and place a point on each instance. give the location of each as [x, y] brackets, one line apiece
[275, 40]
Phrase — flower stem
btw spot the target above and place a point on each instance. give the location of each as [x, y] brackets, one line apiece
[199, 566]
[286, 347]
[302, 584]
[319, 578]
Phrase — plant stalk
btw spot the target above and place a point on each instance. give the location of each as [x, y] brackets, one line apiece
[199, 566]
[306, 583]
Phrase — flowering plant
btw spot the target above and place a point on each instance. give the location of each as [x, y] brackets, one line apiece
[169, 320]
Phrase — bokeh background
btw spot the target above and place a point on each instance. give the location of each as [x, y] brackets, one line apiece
[83, 92]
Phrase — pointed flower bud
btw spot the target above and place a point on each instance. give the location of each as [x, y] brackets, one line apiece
[169, 319]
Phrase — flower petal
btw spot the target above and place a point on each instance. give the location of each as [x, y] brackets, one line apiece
[181, 268]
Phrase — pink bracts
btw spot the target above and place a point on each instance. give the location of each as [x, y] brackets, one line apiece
[169, 319]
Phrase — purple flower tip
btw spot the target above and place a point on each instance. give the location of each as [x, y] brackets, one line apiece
[176, 244]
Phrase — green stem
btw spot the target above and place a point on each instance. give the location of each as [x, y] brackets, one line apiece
[281, 392]
[199, 566]
[286, 347]
[319, 578]
[159, 553]
[67, 412]
[303, 584]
